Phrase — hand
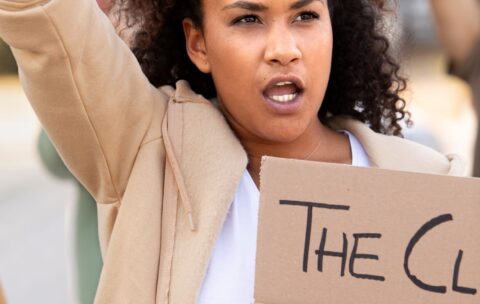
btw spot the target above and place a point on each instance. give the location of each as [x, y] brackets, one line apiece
[105, 5]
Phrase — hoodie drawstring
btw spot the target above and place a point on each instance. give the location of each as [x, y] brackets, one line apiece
[174, 185]
[177, 174]
[174, 111]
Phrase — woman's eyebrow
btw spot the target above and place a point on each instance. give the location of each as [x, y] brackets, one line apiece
[253, 6]
[302, 3]
[246, 5]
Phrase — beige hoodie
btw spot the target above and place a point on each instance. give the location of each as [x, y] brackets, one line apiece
[162, 164]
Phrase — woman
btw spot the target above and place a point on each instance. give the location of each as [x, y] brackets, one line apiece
[166, 165]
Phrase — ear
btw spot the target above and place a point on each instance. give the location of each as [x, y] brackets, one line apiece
[195, 43]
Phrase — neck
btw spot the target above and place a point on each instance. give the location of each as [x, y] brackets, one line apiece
[317, 143]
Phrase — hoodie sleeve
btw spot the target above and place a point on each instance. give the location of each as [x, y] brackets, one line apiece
[85, 86]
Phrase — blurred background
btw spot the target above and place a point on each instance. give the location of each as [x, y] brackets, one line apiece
[35, 248]
[33, 257]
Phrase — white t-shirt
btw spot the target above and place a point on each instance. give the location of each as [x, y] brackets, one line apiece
[231, 272]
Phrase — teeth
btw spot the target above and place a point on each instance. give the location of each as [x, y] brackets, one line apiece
[284, 98]
[279, 84]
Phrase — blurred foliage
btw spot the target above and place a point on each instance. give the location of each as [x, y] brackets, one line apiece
[7, 63]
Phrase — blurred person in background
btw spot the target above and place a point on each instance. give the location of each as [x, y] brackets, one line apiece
[458, 24]
[85, 261]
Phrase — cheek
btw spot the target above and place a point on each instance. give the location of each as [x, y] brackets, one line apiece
[233, 63]
[231, 58]
[318, 48]
[318, 62]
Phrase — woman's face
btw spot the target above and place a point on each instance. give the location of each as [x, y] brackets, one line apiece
[270, 61]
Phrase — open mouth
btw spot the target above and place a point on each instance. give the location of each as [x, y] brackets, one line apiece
[283, 91]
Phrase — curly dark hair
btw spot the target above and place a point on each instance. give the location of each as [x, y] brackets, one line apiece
[365, 82]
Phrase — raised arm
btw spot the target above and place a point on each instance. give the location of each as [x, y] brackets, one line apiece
[458, 23]
[85, 86]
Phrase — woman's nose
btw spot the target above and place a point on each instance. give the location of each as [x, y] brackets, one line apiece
[281, 47]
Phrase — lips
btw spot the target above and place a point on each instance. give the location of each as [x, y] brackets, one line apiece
[283, 89]
[283, 95]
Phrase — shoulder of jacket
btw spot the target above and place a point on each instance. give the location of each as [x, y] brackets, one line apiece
[396, 153]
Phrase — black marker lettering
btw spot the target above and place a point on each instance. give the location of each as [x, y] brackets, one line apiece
[456, 271]
[355, 255]
[416, 238]
[308, 231]
[321, 252]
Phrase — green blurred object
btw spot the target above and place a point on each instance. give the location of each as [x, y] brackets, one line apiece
[7, 63]
[87, 261]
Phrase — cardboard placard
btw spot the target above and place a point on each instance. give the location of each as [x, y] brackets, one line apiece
[332, 233]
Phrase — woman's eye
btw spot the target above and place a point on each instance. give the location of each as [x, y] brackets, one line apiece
[307, 16]
[247, 19]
